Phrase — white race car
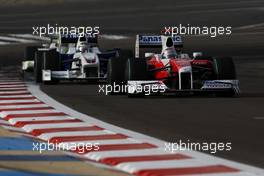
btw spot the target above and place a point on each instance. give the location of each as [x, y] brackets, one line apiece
[71, 57]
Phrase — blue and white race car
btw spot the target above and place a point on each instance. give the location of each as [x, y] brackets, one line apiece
[71, 57]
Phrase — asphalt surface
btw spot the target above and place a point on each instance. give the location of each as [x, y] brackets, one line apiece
[238, 120]
[124, 16]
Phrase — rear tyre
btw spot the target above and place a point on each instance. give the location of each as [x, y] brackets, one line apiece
[30, 51]
[38, 65]
[45, 60]
[115, 71]
[136, 69]
[116, 68]
[29, 55]
[51, 61]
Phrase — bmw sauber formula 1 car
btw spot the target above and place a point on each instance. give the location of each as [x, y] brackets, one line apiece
[71, 57]
[80, 58]
[172, 71]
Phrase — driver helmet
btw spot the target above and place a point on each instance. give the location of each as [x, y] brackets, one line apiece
[83, 48]
[169, 53]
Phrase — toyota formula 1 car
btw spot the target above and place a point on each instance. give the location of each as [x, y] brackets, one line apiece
[171, 71]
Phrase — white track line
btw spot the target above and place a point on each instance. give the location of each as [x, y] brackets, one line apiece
[107, 154]
[101, 142]
[24, 106]
[133, 167]
[15, 96]
[11, 82]
[106, 142]
[16, 120]
[19, 101]
[3, 90]
[12, 88]
[48, 136]
[30, 128]
[4, 122]
[13, 128]
[3, 114]
[15, 83]
[226, 174]
[14, 92]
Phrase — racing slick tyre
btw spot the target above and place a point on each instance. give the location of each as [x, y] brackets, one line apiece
[116, 68]
[29, 54]
[136, 69]
[51, 61]
[38, 65]
[224, 69]
[115, 72]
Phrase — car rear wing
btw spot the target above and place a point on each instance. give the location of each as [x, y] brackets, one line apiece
[153, 41]
[69, 38]
[73, 38]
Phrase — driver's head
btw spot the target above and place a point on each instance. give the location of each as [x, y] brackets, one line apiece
[170, 48]
[83, 48]
[169, 53]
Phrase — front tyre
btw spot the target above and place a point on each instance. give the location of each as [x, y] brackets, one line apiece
[224, 69]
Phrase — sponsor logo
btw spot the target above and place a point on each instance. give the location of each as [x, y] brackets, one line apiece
[217, 85]
[77, 35]
[183, 63]
[156, 39]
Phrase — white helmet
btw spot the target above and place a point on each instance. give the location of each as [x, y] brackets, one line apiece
[169, 53]
[83, 48]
